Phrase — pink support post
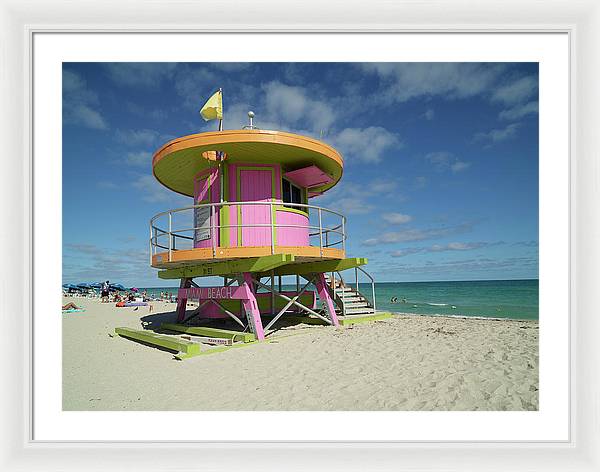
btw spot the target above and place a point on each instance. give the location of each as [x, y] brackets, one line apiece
[182, 302]
[251, 308]
[321, 286]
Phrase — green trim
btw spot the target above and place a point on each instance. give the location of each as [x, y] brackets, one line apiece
[319, 267]
[238, 198]
[364, 319]
[213, 350]
[291, 210]
[224, 210]
[168, 342]
[213, 332]
[236, 266]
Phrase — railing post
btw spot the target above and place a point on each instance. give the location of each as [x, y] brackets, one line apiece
[170, 236]
[272, 228]
[151, 245]
[373, 294]
[343, 233]
[320, 233]
[212, 230]
[356, 279]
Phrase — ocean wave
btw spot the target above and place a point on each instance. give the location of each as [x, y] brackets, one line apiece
[461, 316]
[436, 304]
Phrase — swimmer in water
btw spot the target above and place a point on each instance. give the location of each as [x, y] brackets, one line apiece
[403, 299]
[394, 300]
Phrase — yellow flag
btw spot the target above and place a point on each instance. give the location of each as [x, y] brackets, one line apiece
[213, 108]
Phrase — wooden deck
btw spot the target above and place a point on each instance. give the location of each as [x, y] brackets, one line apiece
[191, 257]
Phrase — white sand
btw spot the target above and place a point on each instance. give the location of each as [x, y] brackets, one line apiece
[404, 363]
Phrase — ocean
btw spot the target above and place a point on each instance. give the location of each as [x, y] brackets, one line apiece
[514, 299]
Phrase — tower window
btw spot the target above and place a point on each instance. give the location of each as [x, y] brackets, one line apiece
[290, 193]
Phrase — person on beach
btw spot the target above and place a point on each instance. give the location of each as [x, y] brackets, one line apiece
[71, 306]
[105, 292]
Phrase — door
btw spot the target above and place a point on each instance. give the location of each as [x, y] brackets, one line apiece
[256, 185]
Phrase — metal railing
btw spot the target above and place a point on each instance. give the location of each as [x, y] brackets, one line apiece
[326, 228]
[342, 283]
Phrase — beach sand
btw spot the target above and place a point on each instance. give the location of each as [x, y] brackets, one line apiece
[403, 363]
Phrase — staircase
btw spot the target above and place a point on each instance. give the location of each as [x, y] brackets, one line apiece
[349, 301]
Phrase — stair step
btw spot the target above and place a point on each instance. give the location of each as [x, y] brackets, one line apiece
[357, 304]
[356, 311]
[352, 298]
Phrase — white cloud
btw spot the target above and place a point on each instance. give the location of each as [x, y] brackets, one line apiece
[444, 160]
[352, 198]
[138, 137]
[516, 92]
[353, 206]
[140, 74]
[459, 166]
[519, 111]
[411, 235]
[106, 184]
[396, 218]
[429, 114]
[497, 135]
[404, 81]
[294, 105]
[79, 103]
[366, 144]
[151, 190]
[140, 158]
[455, 246]
[420, 182]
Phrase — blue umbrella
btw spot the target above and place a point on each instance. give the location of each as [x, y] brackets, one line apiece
[118, 287]
[84, 285]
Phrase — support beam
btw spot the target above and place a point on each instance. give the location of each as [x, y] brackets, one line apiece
[212, 332]
[182, 302]
[160, 340]
[334, 265]
[299, 305]
[251, 308]
[289, 304]
[251, 264]
[321, 286]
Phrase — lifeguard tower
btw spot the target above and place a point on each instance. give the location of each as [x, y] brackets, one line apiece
[251, 223]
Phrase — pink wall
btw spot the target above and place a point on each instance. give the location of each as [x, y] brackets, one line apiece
[256, 185]
[292, 236]
[201, 187]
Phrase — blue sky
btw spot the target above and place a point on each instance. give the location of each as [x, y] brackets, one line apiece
[441, 159]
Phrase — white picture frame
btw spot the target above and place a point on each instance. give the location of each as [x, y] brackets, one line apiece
[20, 22]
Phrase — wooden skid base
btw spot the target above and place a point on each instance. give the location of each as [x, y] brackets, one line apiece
[168, 342]
[346, 321]
[210, 332]
[214, 350]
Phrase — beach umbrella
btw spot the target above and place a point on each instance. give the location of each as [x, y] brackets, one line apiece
[96, 285]
[84, 285]
[135, 289]
[118, 287]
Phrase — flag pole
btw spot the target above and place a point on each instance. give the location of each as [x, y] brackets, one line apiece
[221, 119]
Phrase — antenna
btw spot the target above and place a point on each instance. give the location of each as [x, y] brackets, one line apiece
[250, 125]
